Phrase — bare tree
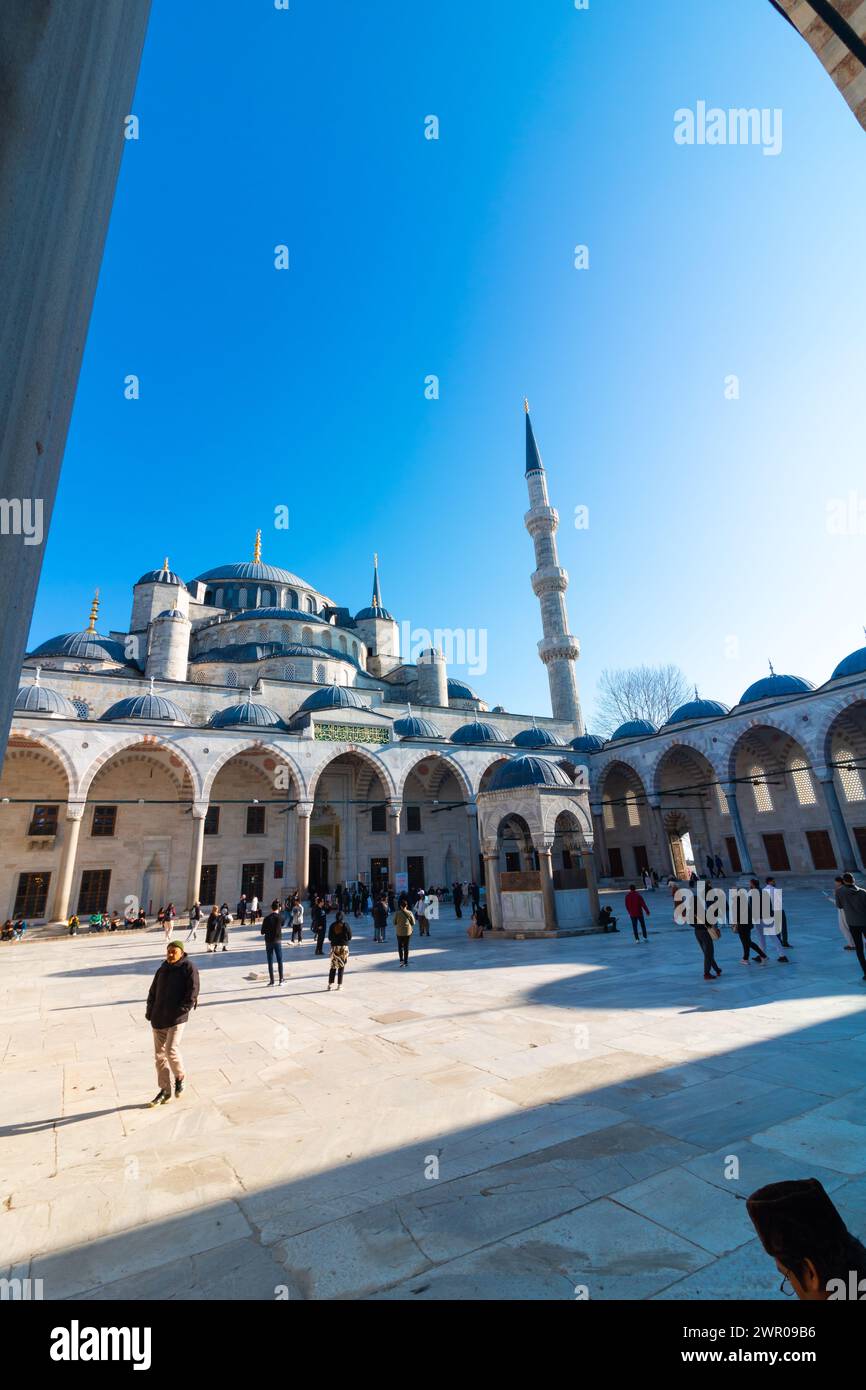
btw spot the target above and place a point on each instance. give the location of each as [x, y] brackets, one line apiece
[640, 692]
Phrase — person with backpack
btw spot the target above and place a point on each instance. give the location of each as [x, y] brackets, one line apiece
[339, 936]
[404, 925]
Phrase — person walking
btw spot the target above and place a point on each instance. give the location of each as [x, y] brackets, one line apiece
[223, 934]
[769, 933]
[380, 919]
[212, 929]
[776, 896]
[421, 913]
[706, 938]
[172, 997]
[710, 866]
[339, 936]
[840, 915]
[635, 906]
[297, 916]
[646, 879]
[161, 919]
[242, 909]
[194, 919]
[720, 868]
[320, 926]
[254, 909]
[744, 929]
[852, 901]
[404, 925]
[272, 931]
[457, 892]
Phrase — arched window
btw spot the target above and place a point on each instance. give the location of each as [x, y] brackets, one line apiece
[82, 709]
[232, 679]
[607, 813]
[344, 646]
[320, 674]
[289, 671]
[355, 650]
[763, 799]
[326, 640]
[310, 604]
[292, 599]
[266, 598]
[723, 800]
[242, 598]
[802, 779]
[632, 808]
[850, 776]
[208, 596]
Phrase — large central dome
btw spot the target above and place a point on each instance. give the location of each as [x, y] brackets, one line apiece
[253, 570]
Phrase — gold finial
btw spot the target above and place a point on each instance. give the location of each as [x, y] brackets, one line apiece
[94, 609]
[526, 405]
[165, 563]
[257, 549]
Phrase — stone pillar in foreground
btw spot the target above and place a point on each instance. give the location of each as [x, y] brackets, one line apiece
[545, 864]
[69, 74]
[303, 811]
[196, 854]
[66, 872]
[844, 849]
[730, 791]
[491, 884]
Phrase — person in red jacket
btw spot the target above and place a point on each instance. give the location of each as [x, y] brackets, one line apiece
[636, 907]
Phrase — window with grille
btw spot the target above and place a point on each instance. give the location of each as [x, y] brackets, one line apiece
[212, 820]
[43, 820]
[255, 820]
[850, 776]
[289, 671]
[292, 599]
[232, 679]
[82, 709]
[344, 646]
[207, 886]
[93, 893]
[31, 896]
[326, 639]
[763, 799]
[724, 809]
[803, 785]
[413, 819]
[320, 673]
[632, 808]
[607, 813]
[104, 821]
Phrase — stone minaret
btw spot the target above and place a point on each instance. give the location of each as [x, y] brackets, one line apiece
[557, 649]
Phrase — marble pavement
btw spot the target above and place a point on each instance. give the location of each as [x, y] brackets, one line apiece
[501, 1120]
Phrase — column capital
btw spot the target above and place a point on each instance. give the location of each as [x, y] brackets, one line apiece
[304, 809]
[75, 810]
[472, 809]
[822, 772]
[543, 844]
[200, 809]
[395, 808]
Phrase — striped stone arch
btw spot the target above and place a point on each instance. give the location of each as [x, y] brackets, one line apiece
[247, 745]
[144, 742]
[448, 764]
[787, 726]
[686, 745]
[375, 764]
[477, 775]
[839, 704]
[598, 790]
[50, 745]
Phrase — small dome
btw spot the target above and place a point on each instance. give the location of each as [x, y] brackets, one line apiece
[248, 715]
[163, 576]
[537, 738]
[334, 697]
[83, 646]
[381, 613]
[173, 613]
[853, 665]
[479, 732]
[698, 709]
[40, 699]
[775, 687]
[527, 771]
[413, 727]
[634, 728]
[458, 690]
[587, 743]
[147, 707]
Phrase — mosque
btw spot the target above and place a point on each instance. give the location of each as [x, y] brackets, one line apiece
[250, 734]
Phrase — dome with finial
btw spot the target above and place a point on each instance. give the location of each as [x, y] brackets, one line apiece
[173, 613]
[634, 728]
[147, 709]
[375, 609]
[854, 664]
[697, 709]
[248, 714]
[775, 687]
[42, 700]
[164, 576]
[410, 726]
[334, 697]
[528, 771]
[88, 645]
[537, 738]
[478, 732]
[587, 743]
[255, 571]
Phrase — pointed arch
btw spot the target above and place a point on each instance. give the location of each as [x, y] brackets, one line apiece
[146, 741]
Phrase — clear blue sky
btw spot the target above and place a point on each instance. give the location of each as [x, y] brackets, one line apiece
[455, 257]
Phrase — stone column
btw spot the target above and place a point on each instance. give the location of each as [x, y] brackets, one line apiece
[491, 884]
[303, 811]
[730, 791]
[600, 840]
[545, 863]
[844, 849]
[394, 841]
[69, 73]
[663, 838]
[197, 853]
[586, 854]
[474, 850]
[66, 872]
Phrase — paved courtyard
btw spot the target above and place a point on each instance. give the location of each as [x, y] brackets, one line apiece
[501, 1120]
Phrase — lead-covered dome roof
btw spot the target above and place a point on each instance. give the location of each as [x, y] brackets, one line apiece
[854, 664]
[528, 771]
[41, 699]
[255, 571]
[587, 743]
[537, 738]
[634, 728]
[83, 646]
[775, 687]
[334, 697]
[698, 709]
[161, 576]
[152, 708]
[410, 726]
[248, 714]
[479, 732]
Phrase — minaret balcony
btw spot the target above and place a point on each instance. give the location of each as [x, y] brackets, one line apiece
[541, 519]
[564, 648]
[549, 579]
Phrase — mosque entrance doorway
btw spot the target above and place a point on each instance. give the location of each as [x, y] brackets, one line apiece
[318, 868]
[415, 871]
[378, 875]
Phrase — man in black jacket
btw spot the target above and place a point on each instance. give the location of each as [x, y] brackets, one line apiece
[272, 931]
[852, 902]
[172, 997]
[320, 926]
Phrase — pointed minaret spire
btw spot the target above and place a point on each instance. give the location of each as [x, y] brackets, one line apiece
[377, 597]
[94, 609]
[533, 457]
[257, 549]
[557, 649]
